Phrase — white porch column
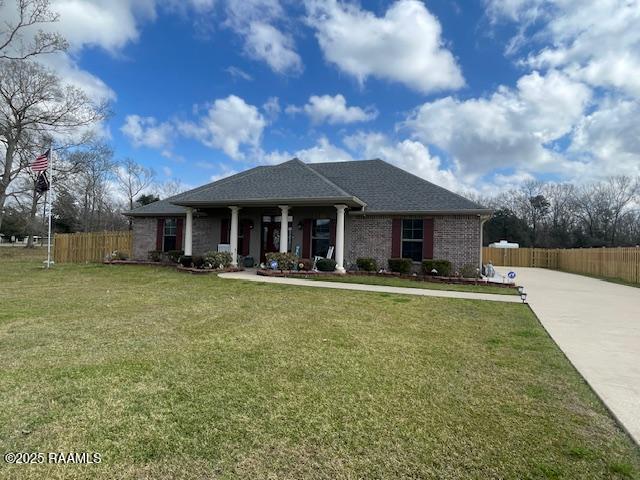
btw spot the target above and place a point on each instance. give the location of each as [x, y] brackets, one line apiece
[284, 228]
[233, 235]
[339, 247]
[188, 232]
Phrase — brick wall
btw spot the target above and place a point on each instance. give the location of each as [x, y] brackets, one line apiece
[457, 239]
[368, 237]
[144, 236]
[206, 234]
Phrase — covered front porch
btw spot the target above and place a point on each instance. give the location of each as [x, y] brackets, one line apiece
[307, 231]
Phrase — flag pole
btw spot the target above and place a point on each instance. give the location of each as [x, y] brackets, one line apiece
[50, 197]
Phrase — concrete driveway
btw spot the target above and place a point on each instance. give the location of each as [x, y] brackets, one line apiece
[597, 326]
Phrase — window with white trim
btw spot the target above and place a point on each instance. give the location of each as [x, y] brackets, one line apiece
[169, 240]
[412, 238]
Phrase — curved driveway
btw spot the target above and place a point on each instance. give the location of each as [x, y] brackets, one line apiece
[597, 326]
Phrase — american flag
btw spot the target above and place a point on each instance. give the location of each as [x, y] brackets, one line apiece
[41, 163]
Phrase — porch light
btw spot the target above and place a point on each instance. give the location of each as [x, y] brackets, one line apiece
[300, 225]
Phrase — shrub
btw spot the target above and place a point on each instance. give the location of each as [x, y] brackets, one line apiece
[469, 271]
[285, 261]
[186, 261]
[218, 259]
[367, 264]
[442, 266]
[400, 265]
[174, 255]
[198, 261]
[305, 264]
[326, 264]
[248, 262]
[154, 255]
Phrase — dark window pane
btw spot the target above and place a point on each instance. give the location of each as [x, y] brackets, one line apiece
[169, 243]
[170, 226]
[319, 247]
[412, 250]
[321, 228]
[412, 229]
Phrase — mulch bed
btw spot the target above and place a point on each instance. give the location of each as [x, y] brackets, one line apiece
[416, 278]
[204, 271]
[139, 262]
[180, 268]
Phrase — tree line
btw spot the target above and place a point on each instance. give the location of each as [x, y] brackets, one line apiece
[540, 214]
[38, 111]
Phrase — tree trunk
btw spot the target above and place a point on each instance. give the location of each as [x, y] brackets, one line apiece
[6, 175]
[130, 208]
[32, 216]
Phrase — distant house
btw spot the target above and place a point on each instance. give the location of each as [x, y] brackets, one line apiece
[365, 208]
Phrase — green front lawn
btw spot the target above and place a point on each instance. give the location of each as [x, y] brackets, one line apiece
[403, 282]
[170, 375]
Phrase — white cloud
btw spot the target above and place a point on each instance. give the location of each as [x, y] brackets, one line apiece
[265, 42]
[238, 73]
[167, 171]
[333, 110]
[322, 151]
[272, 108]
[409, 155]
[255, 21]
[512, 128]
[596, 41]
[404, 45]
[109, 25]
[147, 132]
[609, 139]
[229, 124]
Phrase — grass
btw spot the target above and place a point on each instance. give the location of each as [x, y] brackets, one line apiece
[170, 375]
[403, 282]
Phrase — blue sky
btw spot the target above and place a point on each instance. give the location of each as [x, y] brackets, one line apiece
[476, 96]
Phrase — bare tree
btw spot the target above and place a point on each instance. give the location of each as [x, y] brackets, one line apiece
[19, 38]
[34, 105]
[133, 179]
[170, 188]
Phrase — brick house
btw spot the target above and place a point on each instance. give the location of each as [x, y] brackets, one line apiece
[365, 208]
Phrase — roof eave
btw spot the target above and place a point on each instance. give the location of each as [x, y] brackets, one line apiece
[480, 212]
[153, 214]
[349, 201]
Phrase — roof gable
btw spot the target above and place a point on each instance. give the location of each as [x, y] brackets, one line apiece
[386, 188]
[287, 181]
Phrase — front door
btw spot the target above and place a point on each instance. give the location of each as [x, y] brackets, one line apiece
[270, 239]
[271, 235]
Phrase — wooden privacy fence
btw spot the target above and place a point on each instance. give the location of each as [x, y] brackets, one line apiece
[622, 263]
[90, 246]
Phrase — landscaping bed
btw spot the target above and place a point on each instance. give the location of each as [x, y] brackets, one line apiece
[200, 271]
[311, 274]
[180, 268]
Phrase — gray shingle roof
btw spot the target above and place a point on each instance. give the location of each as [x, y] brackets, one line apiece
[161, 207]
[386, 188]
[373, 184]
[292, 180]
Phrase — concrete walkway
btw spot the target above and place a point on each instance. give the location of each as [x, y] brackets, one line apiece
[251, 276]
[597, 326]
